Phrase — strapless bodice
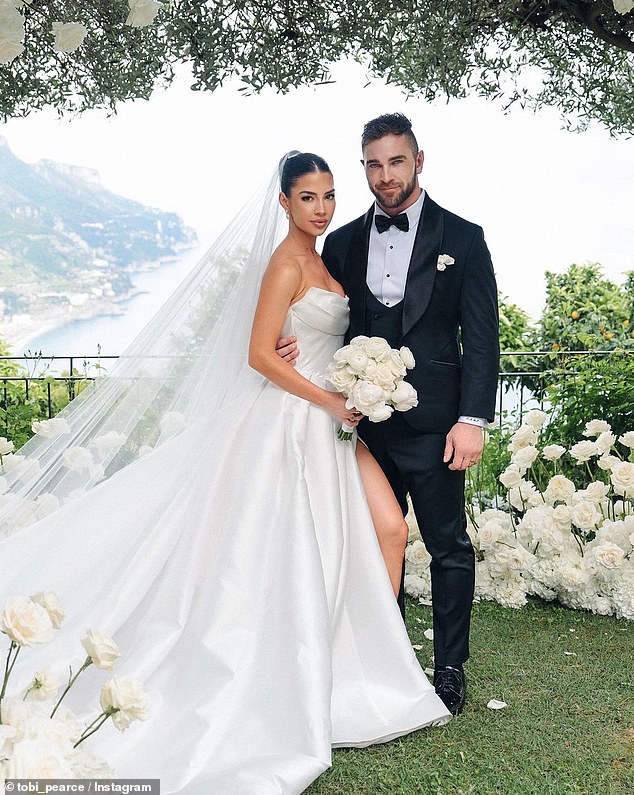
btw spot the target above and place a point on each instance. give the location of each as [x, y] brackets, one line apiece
[319, 320]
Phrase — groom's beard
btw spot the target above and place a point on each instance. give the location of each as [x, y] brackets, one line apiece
[388, 202]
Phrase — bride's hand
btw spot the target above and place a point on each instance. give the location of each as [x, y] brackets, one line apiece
[335, 404]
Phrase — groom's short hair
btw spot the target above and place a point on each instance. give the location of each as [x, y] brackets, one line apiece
[389, 124]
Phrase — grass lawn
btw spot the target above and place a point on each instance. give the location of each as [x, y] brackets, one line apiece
[568, 680]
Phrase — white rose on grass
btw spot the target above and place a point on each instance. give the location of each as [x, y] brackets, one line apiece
[404, 397]
[408, 357]
[49, 429]
[11, 31]
[553, 451]
[6, 446]
[525, 456]
[604, 442]
[125, 700]
[511, 476]
[623, 6]
[142, 13]
[559, 488]
[523, 437]
[25, 622]
[108, 443]
[585, 515]
[622, 478]
[68, 35]
[627, 439]
[523, 495]
[596, 427]
[50, 602]
[606, 462]
[44, 686]
[77, 459]
[610, 556]
[103, 651]
[583, 451]
[489, 535]
[535, 418]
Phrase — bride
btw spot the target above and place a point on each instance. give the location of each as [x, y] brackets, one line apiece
[206, 516]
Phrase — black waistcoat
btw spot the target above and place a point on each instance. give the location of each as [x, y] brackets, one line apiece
[383, 321]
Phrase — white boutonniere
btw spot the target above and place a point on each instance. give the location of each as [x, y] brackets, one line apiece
[443, 261]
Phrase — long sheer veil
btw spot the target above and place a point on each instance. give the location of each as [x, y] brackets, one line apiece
[188, 362]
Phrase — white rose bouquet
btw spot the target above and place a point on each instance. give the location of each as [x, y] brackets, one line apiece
[370, 374]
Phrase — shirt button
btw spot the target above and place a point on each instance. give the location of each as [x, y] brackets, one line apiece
[387, 303]
[391, 246]
[387, 275]
[376, 315]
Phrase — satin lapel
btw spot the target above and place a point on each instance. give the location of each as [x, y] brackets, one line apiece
[422, 268]
[357, 268]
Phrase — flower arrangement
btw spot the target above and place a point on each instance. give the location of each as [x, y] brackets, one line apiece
[39, 736]
[552, 539]
[370, 374]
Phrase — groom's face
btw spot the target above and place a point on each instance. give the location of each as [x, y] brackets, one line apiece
[392, 170]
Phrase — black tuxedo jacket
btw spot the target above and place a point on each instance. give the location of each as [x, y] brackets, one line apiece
[450, 317]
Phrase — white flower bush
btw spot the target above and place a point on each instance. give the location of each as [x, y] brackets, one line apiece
[550, 538]
[39, 736]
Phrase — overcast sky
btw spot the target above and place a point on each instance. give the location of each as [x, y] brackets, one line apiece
[545, 197]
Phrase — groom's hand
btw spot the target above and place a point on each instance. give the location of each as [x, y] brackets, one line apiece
[464, 445]
[287, 348]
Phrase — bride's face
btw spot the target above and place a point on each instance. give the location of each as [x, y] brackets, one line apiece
[311, 203]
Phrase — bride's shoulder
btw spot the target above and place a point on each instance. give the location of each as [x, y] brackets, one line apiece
[284, 266]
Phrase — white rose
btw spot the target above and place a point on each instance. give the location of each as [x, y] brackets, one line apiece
[596, 427]
[108, 443]
[404, 397]
[25, 622]
[142, 13]
[408, 357]
[525, 456]
[623, 6]
[125, 699]
[443, 261]
[172, 422]
[585, 515]
[50, 602]
[341, 355]
[583, 451]
[380, 413]
[359, 341]
[553, 451]
[365, 396]
[523, 495]
[604, 442]
[6, 446]
[523, 437]
[596, 491]
[49, 429]
[39, 758]
[535, 418]
[562, 516]
[511, 476]
[622, 478]
[610, 556]
[396, 365]
[627, 439]
[103, 651]
[489, 534]
[559, 488]
[357, 361]
[11, 32]
[384, 376]
[606, 462]
[68, 35]
[377, 348]
[342, 379]
[77, 459]
[44, 686]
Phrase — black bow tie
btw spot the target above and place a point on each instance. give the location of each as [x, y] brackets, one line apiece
[384, 222]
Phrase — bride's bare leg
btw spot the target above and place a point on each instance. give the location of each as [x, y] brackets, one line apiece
[391, 528]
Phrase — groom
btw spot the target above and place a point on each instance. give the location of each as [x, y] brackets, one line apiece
[420, 276]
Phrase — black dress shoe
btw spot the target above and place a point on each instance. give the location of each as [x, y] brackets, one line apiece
[451, 686]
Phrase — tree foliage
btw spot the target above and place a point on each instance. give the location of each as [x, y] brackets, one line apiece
[576, 55]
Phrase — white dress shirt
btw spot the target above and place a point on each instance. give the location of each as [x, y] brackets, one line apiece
[389, 255]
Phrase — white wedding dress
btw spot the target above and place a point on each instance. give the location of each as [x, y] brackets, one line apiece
[245, 587]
